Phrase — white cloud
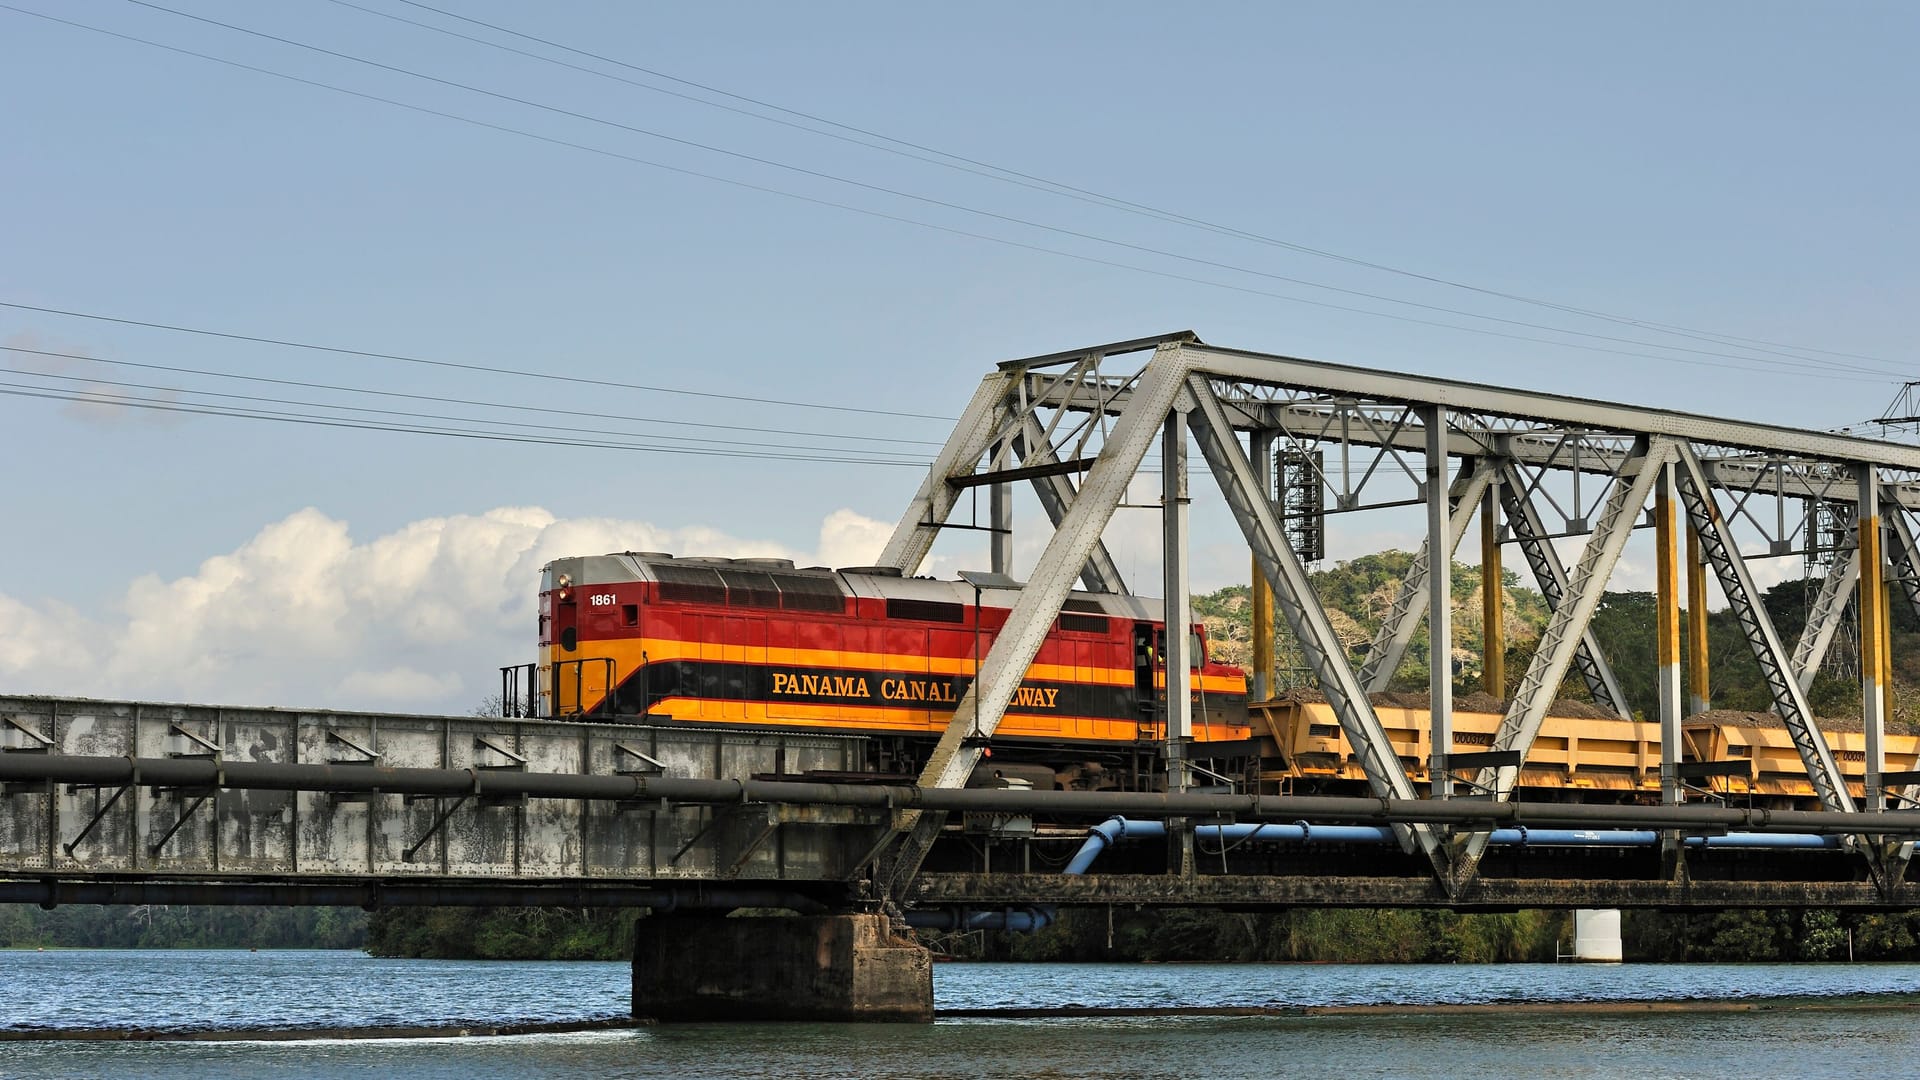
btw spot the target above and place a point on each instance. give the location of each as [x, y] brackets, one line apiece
[850, 539]
[303, 614]
[401, 684]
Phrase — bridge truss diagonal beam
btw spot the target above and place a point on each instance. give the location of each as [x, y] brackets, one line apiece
[1566, 627]
[1824, 617]
[981, 708]
[1293, 592]
[1056, 492]
[1564, 631]
[1903, 563]
[1523, 517]
[1736, 582]
[1903, 557]
[1396, 631]
[920, 526]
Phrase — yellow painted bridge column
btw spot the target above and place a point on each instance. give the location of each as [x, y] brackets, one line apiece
[1493, 595]
[1876, 664]
[1265, 668]
[1698, 687]
[1666, 541]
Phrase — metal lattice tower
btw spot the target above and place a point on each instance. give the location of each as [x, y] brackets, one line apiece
[1302, 502]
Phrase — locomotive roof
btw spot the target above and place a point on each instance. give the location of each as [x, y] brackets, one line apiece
[872, 582]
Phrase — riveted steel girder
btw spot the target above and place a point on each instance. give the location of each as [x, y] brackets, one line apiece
[1708, 463]
[1795, 463]
[1396, 630]
[1823, 772]
[1548, 572]
[978, 714]
[1293, 592]
[1563, 633]
[1566, 627]
[1374, 384]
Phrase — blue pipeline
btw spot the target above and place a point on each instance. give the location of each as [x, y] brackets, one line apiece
[1648, 838]
[1022, 919]
[1111, 831]
[1767, 840]
[1114, 830]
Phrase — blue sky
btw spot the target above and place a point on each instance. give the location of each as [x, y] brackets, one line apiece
[1741, 168]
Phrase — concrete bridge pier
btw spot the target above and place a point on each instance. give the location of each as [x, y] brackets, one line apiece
[1596, 935]
[817, 967]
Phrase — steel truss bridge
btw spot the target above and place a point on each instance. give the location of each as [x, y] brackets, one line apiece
[136, 802]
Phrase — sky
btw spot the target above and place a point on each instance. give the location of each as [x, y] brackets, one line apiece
[624, 261]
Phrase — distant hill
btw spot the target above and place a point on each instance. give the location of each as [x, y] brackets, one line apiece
[1359, 592]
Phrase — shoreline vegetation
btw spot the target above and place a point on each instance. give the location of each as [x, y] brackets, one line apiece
[1081, 935]
[1355, 592]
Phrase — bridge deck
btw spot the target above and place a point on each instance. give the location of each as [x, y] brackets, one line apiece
[113, 832]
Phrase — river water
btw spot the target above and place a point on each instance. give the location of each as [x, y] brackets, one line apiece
[1860, 1020]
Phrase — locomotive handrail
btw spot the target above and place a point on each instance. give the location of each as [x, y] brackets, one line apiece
[513, 704]
[579, 668]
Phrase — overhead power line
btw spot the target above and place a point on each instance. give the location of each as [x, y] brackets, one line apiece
[950, 230]
[578, 413]
[22, 390]
[947, 159]
[458, 365]
[87, 384]
[1805, 363]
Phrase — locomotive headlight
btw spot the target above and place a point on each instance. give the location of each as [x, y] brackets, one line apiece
[565, 580]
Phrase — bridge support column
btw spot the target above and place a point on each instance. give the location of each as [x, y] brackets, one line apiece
[1596, 935]
[826, 968]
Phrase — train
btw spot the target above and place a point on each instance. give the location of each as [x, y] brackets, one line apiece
[649, 638]
[1579, 755]
[645, 637]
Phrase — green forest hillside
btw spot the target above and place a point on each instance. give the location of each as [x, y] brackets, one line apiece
[1359, 593]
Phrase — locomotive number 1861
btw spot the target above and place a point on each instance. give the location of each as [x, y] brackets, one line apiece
[600, 600]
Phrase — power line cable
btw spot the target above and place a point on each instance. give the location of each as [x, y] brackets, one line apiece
[488, 369]
[949, 205]
[26, 391]
[1027, 180]
[876, 455]
[444, 399]
[882, 215]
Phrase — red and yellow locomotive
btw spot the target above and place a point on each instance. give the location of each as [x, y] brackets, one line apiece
[645, 637]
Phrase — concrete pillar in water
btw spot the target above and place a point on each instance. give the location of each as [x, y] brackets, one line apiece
[1596, 935]
[824, 967]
